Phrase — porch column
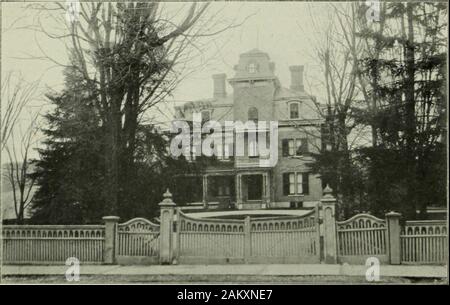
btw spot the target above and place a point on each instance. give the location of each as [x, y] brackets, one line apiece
[238, 191]
[266, 191]
[205, 191]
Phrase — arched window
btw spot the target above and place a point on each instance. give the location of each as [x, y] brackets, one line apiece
[253, 114]
[294, 110]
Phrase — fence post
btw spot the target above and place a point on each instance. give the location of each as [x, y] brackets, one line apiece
[393, 223]
[167, 207]
[247, 239]
[329, 226]
[109, 254]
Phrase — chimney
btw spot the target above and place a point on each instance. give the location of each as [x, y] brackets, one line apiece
[219, 85]
[297, 78]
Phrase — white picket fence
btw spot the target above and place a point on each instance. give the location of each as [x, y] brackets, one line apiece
[424, 242]
[362, 236]
[260, 240]
[28, 244]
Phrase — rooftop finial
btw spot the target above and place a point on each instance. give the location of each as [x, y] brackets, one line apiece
[327, 189]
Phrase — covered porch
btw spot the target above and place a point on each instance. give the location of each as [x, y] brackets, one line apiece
[236, 190]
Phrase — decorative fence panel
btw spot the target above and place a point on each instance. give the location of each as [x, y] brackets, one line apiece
[285, 239]
[209, 240]
[424, 242]
[360, 237]
[281, 239]
[137, 242]
[29, 244]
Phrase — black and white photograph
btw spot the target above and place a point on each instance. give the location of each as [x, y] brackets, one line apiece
[263, 143]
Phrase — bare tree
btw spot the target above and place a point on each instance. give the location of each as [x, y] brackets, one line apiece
[334, 49]
[16, 95]
[18, 169]
[131, 56]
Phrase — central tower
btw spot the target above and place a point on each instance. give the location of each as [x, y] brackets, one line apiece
[254, 85]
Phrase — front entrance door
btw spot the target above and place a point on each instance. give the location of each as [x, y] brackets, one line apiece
[254, 187]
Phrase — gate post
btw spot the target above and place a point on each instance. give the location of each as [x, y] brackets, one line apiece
[166, 229]
[393, 224]
[109, 253]
[329, 226]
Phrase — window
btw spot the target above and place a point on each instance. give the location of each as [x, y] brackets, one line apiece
[293, 110]
[253, 114]
[252, 68]
[294, 147]
[299, 183]
[288, 184]
[295, 183]
[291, 183]
[223, 190]
[291, 147]
[221, 186]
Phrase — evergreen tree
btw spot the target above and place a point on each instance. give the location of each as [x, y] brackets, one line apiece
[407, 80]
[70, 169]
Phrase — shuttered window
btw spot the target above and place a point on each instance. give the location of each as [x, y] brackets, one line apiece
[295, 183]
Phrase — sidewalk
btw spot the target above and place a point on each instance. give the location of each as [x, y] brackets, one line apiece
[266, 270]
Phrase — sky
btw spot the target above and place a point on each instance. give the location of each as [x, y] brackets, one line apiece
[287, 31]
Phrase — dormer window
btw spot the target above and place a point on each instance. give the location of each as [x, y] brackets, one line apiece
[294, 110]
[252, 68]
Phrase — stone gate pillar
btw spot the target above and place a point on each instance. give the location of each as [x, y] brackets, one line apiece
[329, 226]
[393, 224]
[167, 207]
[109, 253]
